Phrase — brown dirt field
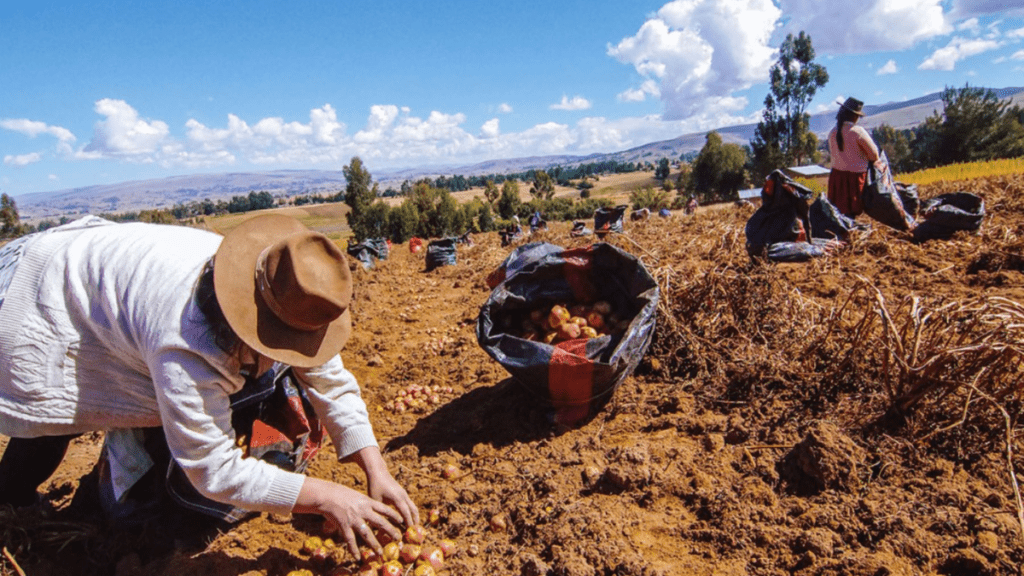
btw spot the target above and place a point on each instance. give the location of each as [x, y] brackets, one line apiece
[757, 437]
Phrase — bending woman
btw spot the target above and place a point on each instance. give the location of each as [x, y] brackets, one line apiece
[101, 329]
[852, 151]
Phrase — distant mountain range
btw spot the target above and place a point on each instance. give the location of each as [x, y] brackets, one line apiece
[169, 192]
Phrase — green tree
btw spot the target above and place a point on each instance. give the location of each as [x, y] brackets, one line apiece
[360, 191]
[783, 137]
[543, 186]
[650, 198]
[491, 192]
[10, 221]
[485, 220]
[372, 223]
[718, 172]
[896, 144]
[974, 125]
[509, 202]
[663, 169]
[403, 221]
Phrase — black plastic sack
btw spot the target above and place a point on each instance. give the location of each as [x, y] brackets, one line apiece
[517, 259]
[796, 251]
[441, 253]
[881, 199]
[379, 247]
[829, 223]
[574, 374]
[909, 197]
[579, 228]
[363, 252]
[609, 220]
[944, 215]
[783, 217]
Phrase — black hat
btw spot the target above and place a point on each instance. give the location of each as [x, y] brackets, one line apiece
[853, 105]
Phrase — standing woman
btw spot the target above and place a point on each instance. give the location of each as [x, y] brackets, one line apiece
[112, 327]
[852, 151]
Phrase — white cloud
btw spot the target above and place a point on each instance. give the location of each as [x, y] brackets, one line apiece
[504, 108]
[576, 103]
[22, 159]
[870, 26]
[640, 94]
[1018, 55]
[958, 48]
[490, 129]
[971, 25]
[53, 178]
[33, 128]
[890, 67]
[123, 134]
[698, 52]
[1015, 34]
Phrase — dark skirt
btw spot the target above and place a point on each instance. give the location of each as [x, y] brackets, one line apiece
[844, 191]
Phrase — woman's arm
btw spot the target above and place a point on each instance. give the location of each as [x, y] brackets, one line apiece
[196, 416]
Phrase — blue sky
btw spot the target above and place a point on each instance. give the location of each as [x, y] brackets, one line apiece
[106, 92]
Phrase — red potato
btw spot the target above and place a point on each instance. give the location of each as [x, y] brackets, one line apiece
[433, 556]
[391, 551]
[447, 547]
[434, 517]
[498, 523]
[588, 332]
[537, 316]
[448, 472]
[416, 534]
[409, 553]
[391, 569]
[569, 331]
[596, 320]
[578, 320]
[424, 570]
[579, 310]
[311, 544]
[558, 316]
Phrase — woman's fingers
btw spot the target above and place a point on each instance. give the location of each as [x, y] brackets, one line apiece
[365, 533]
[350, 541]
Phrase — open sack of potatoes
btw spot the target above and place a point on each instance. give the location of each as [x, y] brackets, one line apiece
[569, 324]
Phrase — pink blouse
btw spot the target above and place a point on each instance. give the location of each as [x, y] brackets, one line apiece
[858, 149]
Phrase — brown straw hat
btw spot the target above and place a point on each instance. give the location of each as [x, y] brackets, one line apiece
[284, 290]
[853, 105]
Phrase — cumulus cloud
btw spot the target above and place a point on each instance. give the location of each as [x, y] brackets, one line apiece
[32, 128]
[504, 108]
[1018, 55]
[1015, 34]
[860, 27]
[890, 67]
[22, 159]
[640, 94]
[575, 103]
[945, 58]
[123, 134]
[490, 129]
[698, 52]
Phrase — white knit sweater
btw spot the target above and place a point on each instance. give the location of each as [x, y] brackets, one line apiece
[99, 330]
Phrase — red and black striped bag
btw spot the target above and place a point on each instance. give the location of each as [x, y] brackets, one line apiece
[572, 374]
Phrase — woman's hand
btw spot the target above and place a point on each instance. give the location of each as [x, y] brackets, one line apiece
[355, 515]
[383, 487]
